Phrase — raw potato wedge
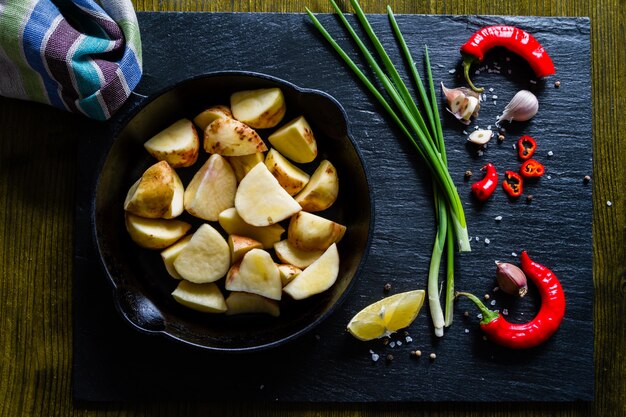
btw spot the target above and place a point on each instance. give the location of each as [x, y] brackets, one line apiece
[176, 206]
[178, 144]
[287, 273]
[322, 189]
[244, 163]
[211, 190]
[229, 137]
[206, 298]
[170, 254]
[289, 176]
[317, 278]
[260, 109]
[257, 274]
[152, 194]
[232, 223]
[261, 201]
[240, 245]
[205, 258]
[311, 232]
[295, 140]
[155, 233]
[207, 117]
[289, 254]
[247, 303]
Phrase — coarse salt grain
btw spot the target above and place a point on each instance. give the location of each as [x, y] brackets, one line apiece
[392, 344]
[408, 339]
[480, 316]
[505, 312]
[399, 343]
[495, 97]
[513, 254]
[480, 153]
[489, 127]
[477, 239]
[452, 71]
[498, 218]
[533, 82]
[487, 241]
[609, 203]
[375, 356]
[550, 153]
[466, 330]
[491, 90]
[493, 302]
[465, 132]
[477, 72]
[549, 177]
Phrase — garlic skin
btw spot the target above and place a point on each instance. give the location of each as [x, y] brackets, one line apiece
[522, 107]
[461, 102]
[511, 279]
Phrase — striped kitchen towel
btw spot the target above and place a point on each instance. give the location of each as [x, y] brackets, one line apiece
[78, 55]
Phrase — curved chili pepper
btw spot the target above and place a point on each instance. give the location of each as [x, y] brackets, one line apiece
[513, 184]
[526, 146]
[484, 188]
[539, 329]
[512, 38]
[532, 168]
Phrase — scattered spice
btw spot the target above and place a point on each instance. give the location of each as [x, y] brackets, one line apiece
[468, 174]
[387, 287]
[557, 84]
[586, 179]
[500, 138]
[466, 314]
[529, 198]
[389, 357]
[432, 356]
[487, 296]
[416, 353]
[385, 341]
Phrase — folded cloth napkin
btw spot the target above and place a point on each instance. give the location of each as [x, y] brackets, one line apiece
[82, 56]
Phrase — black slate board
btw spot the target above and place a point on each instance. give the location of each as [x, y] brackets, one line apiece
[113, 362]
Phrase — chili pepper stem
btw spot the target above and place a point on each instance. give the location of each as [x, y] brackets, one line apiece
[488, 315]
[467, 63]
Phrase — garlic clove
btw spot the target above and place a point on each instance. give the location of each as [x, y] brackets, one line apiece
[511, 279]
[460, 100]
[480, 136]
[522, 107]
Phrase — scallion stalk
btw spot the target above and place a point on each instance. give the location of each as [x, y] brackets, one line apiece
[427, 139]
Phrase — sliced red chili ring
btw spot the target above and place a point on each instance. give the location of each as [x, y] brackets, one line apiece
[526, 146]
[513, 184]
[532, 168]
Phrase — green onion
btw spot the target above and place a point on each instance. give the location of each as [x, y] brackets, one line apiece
[427, 139]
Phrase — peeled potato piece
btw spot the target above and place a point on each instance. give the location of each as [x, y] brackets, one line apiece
[205, 118]
[261, 201]
[246, 303]
[318, 277]
[211, 190]
[257, 274]
[260, 109]
[242, 164]
[229, 137]
[155, 233]
[295, 140]
[290, 254]
[178, 144]
[206, 298]
[287, 272]
[240, 245]
[322, 189]
[206, 258]
[170, 254]
[176, 206]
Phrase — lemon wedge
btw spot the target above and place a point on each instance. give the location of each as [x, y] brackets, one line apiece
[386, 316]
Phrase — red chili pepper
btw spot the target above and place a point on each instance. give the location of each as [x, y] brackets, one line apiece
[484, 188]
[513, 184]
[526, 146]
[512, 38]
[539, 329]
[532, 168]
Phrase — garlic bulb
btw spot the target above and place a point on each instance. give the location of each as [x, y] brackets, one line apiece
[462, 102]
[523, 106]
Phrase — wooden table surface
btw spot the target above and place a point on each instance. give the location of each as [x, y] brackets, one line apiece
[37, 182]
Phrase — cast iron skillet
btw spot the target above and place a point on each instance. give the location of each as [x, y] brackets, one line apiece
[142, 287]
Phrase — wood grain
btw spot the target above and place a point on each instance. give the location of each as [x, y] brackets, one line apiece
[37, 180]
